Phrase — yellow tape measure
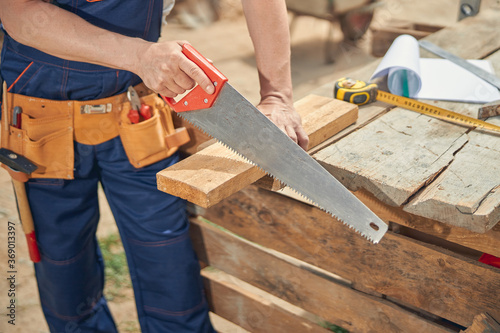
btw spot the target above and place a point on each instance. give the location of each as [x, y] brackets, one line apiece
[360, 92]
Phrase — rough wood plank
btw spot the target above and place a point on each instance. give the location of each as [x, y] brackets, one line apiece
[366, 114]
[424, 276]
[468, 193]
[223, 325]
[451, 191]
[302, 285]
[488, 242]
[214, 173]
[393, 156]
[483, 323]
[323, 117]
[234, 300]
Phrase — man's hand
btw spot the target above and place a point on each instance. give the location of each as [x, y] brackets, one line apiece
[165, 69]
[286, 118]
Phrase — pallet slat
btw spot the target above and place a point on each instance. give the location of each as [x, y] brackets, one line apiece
[302, 285]
[424, 276]
[488, 242]
[232, 300]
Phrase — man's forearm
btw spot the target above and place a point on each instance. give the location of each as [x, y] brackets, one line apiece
[58, 32]
[267, 22]
[63, 34]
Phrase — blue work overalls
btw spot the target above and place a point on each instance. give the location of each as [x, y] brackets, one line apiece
[153, 225]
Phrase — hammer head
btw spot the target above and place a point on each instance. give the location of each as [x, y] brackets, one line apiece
[16, 162]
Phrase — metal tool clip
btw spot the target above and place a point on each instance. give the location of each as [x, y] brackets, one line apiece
[96, 109]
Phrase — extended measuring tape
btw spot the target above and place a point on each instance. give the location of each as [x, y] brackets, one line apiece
[360, 93]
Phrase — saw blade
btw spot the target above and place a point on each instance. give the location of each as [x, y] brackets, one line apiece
[236, 123]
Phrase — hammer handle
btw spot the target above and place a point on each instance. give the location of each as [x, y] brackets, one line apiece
[26, 219]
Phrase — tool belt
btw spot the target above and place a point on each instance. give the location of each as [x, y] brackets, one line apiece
[48, 129]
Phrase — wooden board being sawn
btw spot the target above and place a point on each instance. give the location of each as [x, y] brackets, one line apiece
[215, 172]
[428, 167]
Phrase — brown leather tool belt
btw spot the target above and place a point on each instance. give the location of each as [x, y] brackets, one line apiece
[48, 128]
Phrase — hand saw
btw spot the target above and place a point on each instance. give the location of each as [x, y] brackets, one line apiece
[228, 117]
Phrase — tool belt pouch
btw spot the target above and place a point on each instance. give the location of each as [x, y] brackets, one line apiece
[150, 140]
[45, 136]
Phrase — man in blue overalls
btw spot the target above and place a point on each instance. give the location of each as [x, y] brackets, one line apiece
[79, 53]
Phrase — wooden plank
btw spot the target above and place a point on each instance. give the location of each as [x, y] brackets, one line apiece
[427, 277]
[366, 114]
[215, 172]
[389, 156]
[472, 45]
[302, 285]
[399, 164]
[484, 323]
[466, 194]
[323, 117]
[222, 325]
[488, 242]
[237, 302]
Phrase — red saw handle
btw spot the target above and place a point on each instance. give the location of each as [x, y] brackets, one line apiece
[197, 98]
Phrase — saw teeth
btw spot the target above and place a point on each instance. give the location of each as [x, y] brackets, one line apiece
[270, 174]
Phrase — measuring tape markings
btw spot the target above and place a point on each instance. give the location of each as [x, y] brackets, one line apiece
[434, 111]
[360, 93]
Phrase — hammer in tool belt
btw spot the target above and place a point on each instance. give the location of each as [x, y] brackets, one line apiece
[22, 166]
[19, 168]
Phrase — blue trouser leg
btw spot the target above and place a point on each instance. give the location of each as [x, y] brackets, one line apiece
[154, 231]
[71, 274]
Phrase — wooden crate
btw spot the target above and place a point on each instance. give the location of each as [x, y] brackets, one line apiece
[305, 257]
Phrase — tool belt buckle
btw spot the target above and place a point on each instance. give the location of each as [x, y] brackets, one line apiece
[96, 109]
